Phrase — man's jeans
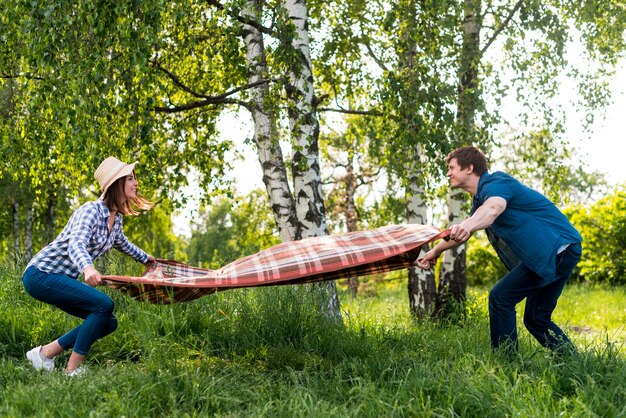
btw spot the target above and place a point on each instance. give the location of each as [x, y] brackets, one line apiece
[520, 283]
[75, 298]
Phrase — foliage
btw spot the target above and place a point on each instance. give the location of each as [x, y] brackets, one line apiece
[231, 229]
[386, 210]
[268, 352]
[392, 63]
[152, 232]
[483, 265]
[85, 85]
[540, 161]
[603, 228]
[355, 170]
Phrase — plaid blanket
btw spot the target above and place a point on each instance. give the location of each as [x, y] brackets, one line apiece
[309, 260]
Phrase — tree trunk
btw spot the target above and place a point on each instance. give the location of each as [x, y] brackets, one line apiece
[453, 280]
[265, 134]
[351, 214]
[421, 284]
[28, 234]
[468, 94]
[305, 132]
[17, 246]
[50, 221]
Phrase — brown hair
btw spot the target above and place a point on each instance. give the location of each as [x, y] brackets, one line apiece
[114, 199]
[466, 156]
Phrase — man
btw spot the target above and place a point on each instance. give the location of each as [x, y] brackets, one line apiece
[535, 241]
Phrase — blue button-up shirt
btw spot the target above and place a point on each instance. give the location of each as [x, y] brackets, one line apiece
[85, 237]
[531, 230]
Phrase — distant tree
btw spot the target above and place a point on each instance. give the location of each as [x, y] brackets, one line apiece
[354, 170]
[541, 161]
[231, 229]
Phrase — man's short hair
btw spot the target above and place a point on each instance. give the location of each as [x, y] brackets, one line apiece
[466, 156]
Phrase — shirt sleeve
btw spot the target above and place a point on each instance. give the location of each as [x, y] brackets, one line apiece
[497, 186]
[123, 245]
[81, 230]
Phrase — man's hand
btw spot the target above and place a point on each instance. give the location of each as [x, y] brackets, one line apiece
[428, 261]
[460, 232]
[92, 276]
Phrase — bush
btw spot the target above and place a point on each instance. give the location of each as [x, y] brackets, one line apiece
[483, 265]
[603, 228]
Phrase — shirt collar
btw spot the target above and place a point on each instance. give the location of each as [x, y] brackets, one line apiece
[105, 210]
[483, 178]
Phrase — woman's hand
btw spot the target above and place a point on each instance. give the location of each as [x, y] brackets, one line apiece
[92, 276]
[151, 260]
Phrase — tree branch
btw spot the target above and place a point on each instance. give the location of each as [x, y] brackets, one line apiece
[28, 77]
[177, 81]
[219, 97]
[351, 112]
[199, 104]
[242, 19]
[375, 58]
[514, 10]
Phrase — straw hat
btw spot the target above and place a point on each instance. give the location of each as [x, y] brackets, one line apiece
[110, 170]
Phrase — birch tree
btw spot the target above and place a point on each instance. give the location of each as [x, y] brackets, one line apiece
[304, 128]
[265, 127]
[353, 170]
[452, 279]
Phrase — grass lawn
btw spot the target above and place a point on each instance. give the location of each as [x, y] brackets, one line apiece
[266, 352]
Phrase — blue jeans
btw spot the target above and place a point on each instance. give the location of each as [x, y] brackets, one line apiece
[78, 299]
[541, 299]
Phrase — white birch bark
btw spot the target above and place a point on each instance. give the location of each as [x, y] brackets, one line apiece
[421, 284]
[452, 279]
[265, 134]
[304, 127]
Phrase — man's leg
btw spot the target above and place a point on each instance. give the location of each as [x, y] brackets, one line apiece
[540, 305]
[503, 297]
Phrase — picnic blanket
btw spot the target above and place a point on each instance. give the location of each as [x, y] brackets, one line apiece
[308, 260]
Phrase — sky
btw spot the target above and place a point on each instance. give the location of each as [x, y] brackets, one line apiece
[605, 150]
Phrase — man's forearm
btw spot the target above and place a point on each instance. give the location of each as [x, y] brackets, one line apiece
[485, 215]
[444, 246]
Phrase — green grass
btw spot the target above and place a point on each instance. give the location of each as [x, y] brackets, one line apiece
[266, 352]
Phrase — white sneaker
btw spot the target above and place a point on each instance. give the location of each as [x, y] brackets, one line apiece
[76, 372]
[38, 361]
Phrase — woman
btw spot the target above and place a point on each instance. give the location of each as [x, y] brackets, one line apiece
[90, 232]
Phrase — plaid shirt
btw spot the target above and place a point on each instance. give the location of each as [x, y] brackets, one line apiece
[85, 237]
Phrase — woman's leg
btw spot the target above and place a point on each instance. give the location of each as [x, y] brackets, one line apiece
[75, 298]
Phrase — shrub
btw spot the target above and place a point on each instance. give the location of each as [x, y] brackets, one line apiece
[603, 228]
[483, 265]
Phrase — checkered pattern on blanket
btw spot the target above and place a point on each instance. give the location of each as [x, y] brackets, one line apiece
[309, 260]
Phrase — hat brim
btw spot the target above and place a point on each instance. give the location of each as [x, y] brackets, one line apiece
[123, 172]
